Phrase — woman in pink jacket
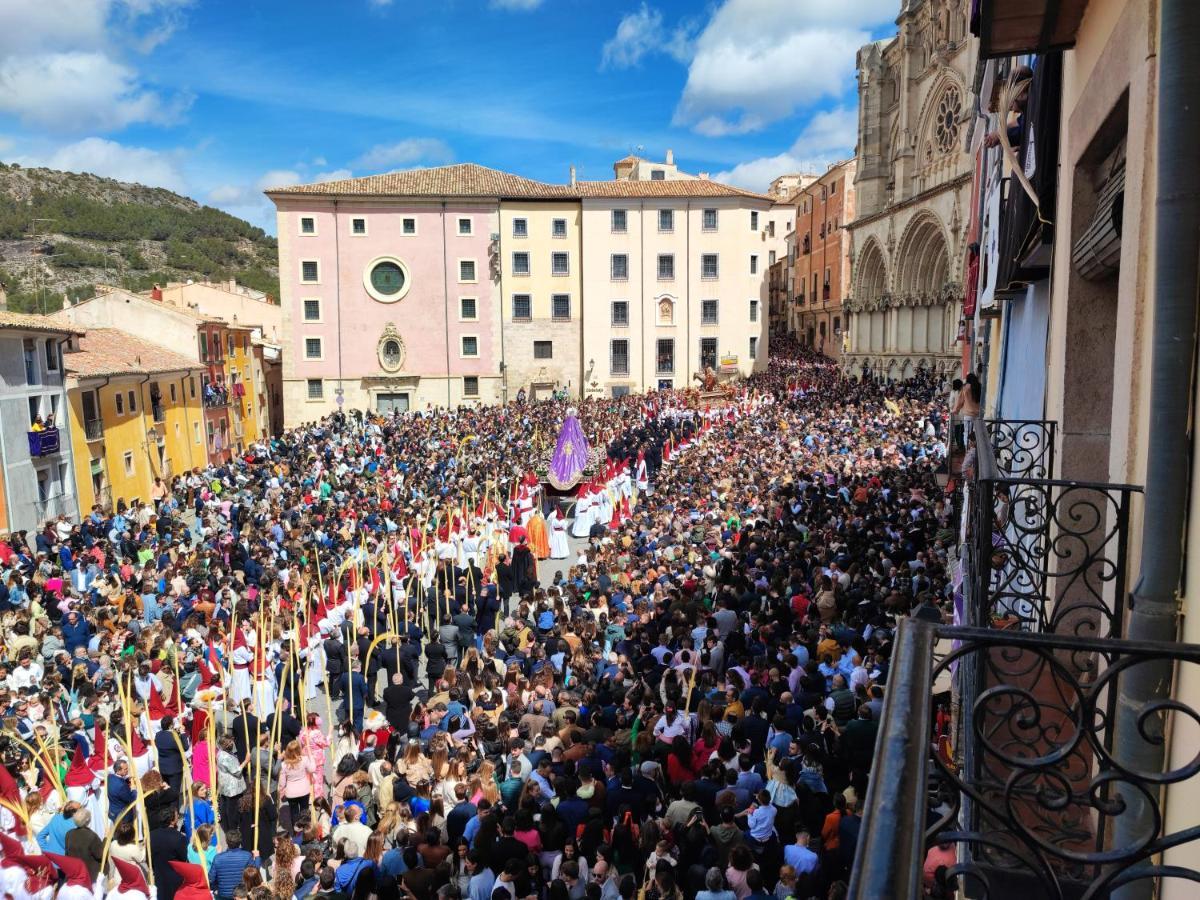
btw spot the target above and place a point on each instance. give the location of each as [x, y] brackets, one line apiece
[201, 773]
[315, 745]
[296, 779]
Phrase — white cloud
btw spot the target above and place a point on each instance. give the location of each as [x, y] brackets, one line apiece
[65, 65]
[829, 136]
[758, 61]
[516, 5]
[154, 168]
[638, 33]
[379, 4]
[407, 152]
[227, 193]
[335, 175]
[642, 32]
[80, 91]
[277, 178]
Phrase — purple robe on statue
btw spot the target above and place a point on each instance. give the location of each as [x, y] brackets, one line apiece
[570, 454]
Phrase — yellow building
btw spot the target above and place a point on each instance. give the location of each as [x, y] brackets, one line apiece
[135, 415]
[245, 415]
[541, 296]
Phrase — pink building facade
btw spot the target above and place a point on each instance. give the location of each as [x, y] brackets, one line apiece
[388, 304]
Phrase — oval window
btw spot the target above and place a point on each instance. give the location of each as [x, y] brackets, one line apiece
[387, 278]
[391, 353]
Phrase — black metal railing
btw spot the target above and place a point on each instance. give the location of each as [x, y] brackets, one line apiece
[93, 429]
[1034, 817]
[1028, 780]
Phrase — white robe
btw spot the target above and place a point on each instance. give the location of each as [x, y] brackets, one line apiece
[604, 508]
[557, 527]
[240, 687]
[315, 673]
[585, 516]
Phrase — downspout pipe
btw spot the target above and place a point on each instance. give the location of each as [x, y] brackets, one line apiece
[1154, 602]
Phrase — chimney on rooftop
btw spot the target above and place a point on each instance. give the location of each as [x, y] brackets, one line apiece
[670, 157]
[156, 293]
[572, 176]
[3, 297]
[67, 301]
[233, 285]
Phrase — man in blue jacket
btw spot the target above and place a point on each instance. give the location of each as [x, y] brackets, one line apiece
[121, 793]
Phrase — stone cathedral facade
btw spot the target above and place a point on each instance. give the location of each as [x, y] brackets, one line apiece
[909, 240]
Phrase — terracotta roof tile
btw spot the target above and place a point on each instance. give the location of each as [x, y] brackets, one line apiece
[110, 351]
[463, 180]
[471, 180]
[27, 322]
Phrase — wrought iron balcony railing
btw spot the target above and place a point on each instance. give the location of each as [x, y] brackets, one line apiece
[1033, 814]
[1031, 780]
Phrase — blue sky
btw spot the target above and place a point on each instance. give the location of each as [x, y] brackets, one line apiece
[221, 98]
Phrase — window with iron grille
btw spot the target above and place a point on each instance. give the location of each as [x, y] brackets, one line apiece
[558, 228]
[665, 355]
[708, 312]
[620, 312]
[753, 310]
[309, 270]
[560, 264]
[619, 221]
[466, 270]
[710, 220]
[520, 228]
[316, 389]
[560, 306]
[666, 267]
[312, 311]
[666, 220]
[618, 363]
[312, 348]
[620, 267]
[709, 266]
[543, 349]
[467, 308]
[520, 263]
[754, 348]
[470, 385]
[522, 307]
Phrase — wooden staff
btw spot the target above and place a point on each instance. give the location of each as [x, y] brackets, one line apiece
[47, 763]
[127, 710]
[213, 774]
[257, 735]
[112, 833]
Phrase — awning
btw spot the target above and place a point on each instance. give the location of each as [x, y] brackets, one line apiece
[1015, 27]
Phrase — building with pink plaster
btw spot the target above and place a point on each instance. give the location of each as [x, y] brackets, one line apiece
[389, 286]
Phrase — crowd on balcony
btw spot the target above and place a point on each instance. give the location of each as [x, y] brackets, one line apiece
[216, 394]
[345, 677]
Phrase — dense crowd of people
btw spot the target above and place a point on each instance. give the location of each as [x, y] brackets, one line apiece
[330, 669]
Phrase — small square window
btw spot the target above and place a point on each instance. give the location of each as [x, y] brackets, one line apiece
[309, 271]
[543, 349]
[312, 310]
[464, 226]
[620, 313]
[358, 226]
[522, 308]
[466, 270]
[470, 345]
[558, 228]
[467, 308]
[560, 264]
[619, 221]
[520, 228]
[520, 263]
[316, 389]
[666, 267]
[708, 312]
[620, 267]
[408, 226]
[312, 348]
[657, 175]
[470, 385]
[308, 225]
[709, 266]
[560, 306]
[666, 220]
[710, 220]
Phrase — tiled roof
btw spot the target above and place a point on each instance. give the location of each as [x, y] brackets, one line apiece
[463, 180]
[110, 351]
[26, 322]
[471, 180]
[680, 187]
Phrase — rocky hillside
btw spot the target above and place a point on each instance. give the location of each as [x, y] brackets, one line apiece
[63, 233]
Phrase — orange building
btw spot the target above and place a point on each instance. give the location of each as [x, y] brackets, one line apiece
[822, 268]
